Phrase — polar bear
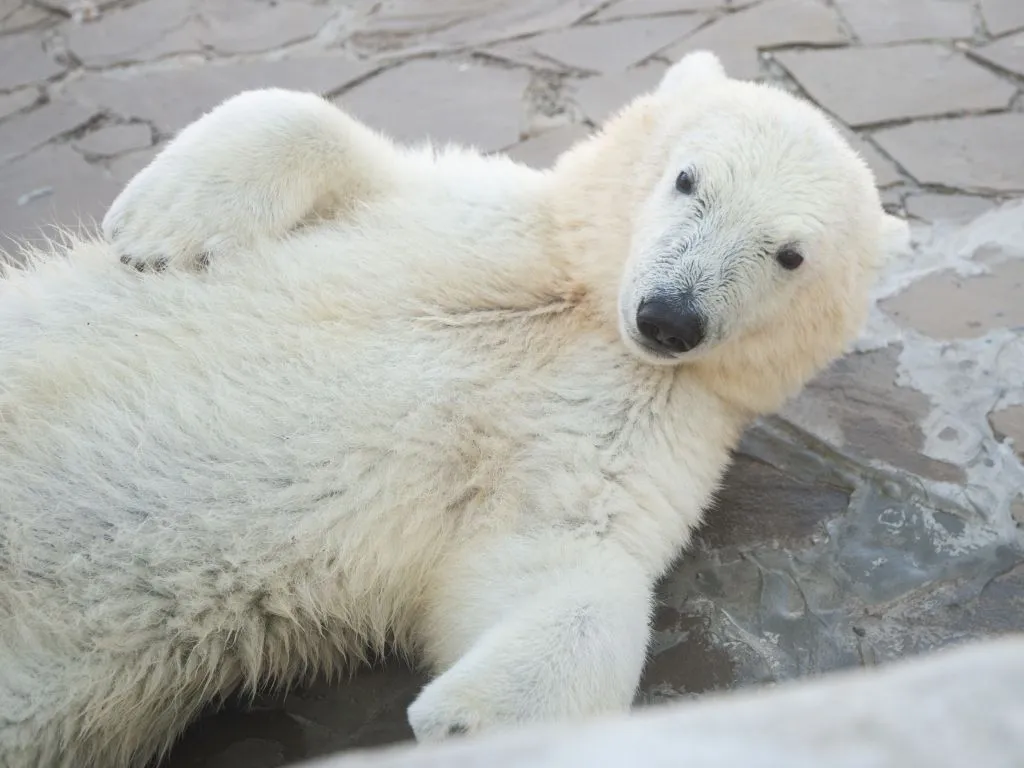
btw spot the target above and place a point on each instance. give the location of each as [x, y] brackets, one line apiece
[383, 397]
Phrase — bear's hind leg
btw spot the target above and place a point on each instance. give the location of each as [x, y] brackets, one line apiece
[92, 709]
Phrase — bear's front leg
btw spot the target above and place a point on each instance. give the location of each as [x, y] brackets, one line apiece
[250, 170]
[553, 641]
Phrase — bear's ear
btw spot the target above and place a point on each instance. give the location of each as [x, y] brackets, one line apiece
[695, 70]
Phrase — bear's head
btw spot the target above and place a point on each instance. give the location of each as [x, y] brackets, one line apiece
[753, 231]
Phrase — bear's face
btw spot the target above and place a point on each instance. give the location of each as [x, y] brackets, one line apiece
[762, 227]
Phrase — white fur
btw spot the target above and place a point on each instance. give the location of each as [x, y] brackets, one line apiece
[420, 419]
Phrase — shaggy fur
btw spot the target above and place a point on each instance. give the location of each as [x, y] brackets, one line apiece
[422, 418]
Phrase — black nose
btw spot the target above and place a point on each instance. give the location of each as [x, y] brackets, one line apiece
[675, 325]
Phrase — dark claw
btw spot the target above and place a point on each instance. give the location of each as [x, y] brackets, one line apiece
[457, 729]
[158, 265]
[203, 261]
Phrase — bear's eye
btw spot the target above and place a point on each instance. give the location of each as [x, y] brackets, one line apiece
[684, 183]
[789, 258]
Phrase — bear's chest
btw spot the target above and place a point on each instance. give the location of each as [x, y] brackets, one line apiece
[573, 439]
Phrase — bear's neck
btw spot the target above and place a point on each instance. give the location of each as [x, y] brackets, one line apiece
[758, 372]
[593, 191]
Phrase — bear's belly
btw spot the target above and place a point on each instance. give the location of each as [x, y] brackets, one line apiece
[231, 446]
